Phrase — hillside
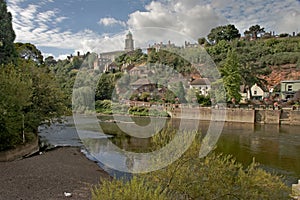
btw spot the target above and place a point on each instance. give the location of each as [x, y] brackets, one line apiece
[280, 73]
[266, 61]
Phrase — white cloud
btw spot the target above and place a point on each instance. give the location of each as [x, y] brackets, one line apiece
[162, 20]
[187, 17]
[289, 23]
[276, 15]
[109, 21]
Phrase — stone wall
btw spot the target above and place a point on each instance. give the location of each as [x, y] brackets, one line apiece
[267, 116]
[208, 114]
[263, 116]
[295, 117]
[20, 151]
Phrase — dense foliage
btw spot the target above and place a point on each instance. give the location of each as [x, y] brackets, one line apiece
[228, 33]
[29, 93]
[15, 96]
[29, 96]
[258, 58]
[231, 76]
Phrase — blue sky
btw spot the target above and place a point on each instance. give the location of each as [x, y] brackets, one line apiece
[63, 27]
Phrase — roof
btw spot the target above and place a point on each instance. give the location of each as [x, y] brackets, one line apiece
[201, 81]
[141, 82]
[290, 81]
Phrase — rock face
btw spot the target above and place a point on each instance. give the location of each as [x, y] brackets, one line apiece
[280, 73]
[296, 190]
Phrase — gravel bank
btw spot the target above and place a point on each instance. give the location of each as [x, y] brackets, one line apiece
[49, 175]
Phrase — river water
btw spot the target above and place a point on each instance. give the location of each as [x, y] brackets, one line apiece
[276, 148]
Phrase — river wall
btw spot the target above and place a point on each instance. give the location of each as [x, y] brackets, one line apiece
[262, 116]
[20, 151]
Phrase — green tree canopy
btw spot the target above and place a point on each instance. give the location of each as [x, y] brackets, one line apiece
[106, 86]
[47, 101]
[231, 76]
[29, 52]
[253, 31]
[50, 62]
[228, 33]
[7, 35]
[15, 96]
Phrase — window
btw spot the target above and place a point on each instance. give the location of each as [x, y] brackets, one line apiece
[290, 88]
[255, 92]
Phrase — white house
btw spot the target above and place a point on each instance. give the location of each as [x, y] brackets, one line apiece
[257, 92]
[202, 85]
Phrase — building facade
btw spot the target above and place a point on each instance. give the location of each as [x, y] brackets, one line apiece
[289, 88]
[104, 60]
[202, 85]
[257, 92]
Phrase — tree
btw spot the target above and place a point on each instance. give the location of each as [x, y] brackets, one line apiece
[254, 31]
[15, 96]
[106, 86]
[50, 62]
[231, 76]
[201, 41]
[29, 52]
[7, 35]
[47, 101]
[227, 33]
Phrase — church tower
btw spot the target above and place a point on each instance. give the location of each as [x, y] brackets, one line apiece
[129, 42]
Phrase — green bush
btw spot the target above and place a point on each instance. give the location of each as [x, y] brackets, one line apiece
[145, 111]
[104, 106]
[134, 189]
[282, 58]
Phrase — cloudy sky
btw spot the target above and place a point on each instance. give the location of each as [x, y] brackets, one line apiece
[62, 27]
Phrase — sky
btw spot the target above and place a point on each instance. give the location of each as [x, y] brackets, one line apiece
[62, 27]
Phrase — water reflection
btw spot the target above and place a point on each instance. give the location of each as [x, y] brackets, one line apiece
[276, 148]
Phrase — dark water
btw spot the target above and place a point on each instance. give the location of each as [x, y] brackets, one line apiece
[276, 148]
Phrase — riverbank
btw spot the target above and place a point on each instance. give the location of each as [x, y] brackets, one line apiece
[49, 175]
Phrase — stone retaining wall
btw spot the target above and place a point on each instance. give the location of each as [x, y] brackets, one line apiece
[263, 116]
[208, 114]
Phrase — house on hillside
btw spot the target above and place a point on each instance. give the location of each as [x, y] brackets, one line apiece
[202, 85]
[142, 85]
[289, 88]
[258, 93]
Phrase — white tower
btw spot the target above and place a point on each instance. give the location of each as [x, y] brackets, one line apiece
[129, 42]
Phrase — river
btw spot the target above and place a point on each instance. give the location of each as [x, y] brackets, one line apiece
[276, 148]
